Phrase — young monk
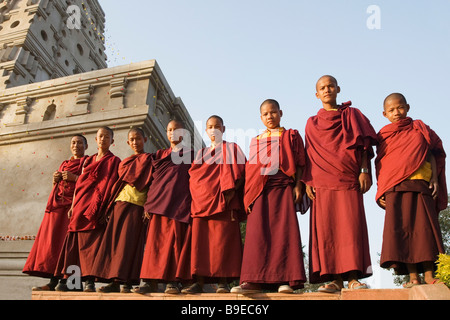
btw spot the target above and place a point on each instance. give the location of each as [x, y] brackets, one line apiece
[46, 249]
[413, 190]
[168, 208]
[339, 142]
[217, 177]
[119, 257]
[273, 256]
[88, 212]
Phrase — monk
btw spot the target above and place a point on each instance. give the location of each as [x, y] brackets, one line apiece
[168, 208]
[216, 185]
[412, 189]
[88, 212]
[339, 148]
[119, 257]
[44, 254]
[273, 256]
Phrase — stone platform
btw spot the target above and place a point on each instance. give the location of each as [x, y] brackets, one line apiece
[424, 292]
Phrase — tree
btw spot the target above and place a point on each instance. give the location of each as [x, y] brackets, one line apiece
[444, 220]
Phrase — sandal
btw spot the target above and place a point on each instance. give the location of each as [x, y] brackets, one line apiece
[247, 288]
[89, 286]
[110, 288]
[172, 288]
[410, 284]
[223, 288]
[145, 288]
[436, 281]
[332, 287]
[43, 288]
[356, 285]
[48, 287]
[126, 288]
[193, 289]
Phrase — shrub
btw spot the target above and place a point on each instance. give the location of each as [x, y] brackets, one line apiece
[443, 269]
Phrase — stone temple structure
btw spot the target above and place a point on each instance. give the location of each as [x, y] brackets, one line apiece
[54, 82]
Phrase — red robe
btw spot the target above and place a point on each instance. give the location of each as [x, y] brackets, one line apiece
[216, 240]
[335, 141]
[261, 165]
[273, 249]
[403, 149]
[169, 195]
[44, 255]
[120, 254]
[169, 203]
[92, 194]
[411, 232]
[213, 172]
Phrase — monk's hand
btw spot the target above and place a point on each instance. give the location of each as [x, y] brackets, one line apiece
[365, 182]
[298, 193]
[434, 187]
[69, 213]
[311, 192]
[382, 202]
[69, 176]
[147, 215]
[57, 177]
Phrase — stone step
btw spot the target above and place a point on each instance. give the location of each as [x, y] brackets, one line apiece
[424, 292]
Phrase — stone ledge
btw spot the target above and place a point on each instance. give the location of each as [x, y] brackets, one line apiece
[180, 297]
[430, 292]
[424, 292]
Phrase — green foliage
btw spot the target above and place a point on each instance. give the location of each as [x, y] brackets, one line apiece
[444, 221]
[443, 269]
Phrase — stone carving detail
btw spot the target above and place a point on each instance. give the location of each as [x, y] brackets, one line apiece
[82, 101]
[117, 93]
[22, 109]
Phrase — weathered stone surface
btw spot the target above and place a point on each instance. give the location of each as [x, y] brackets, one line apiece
[54, 83]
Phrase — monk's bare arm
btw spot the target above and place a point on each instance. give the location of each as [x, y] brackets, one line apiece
[365, 181]
[434, 184]
[299, 186]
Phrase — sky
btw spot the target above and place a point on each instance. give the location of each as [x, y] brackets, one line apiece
[227, 57]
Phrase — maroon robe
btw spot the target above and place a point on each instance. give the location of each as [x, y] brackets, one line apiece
[403, 149]
[335, 141]
[120, 254]
[216, 248]
[169, 203]
[273, 249]
[86, 227]
[412, 232]
[45, 252]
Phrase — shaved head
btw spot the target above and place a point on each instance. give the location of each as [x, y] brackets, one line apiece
[137, 130]
[217, 118]
[399, 96]
[333, 79]
[272, 102]
[178, 122]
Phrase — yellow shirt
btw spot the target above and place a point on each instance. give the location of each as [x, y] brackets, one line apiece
[268, 133]
[425, 172]
[132, 195]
